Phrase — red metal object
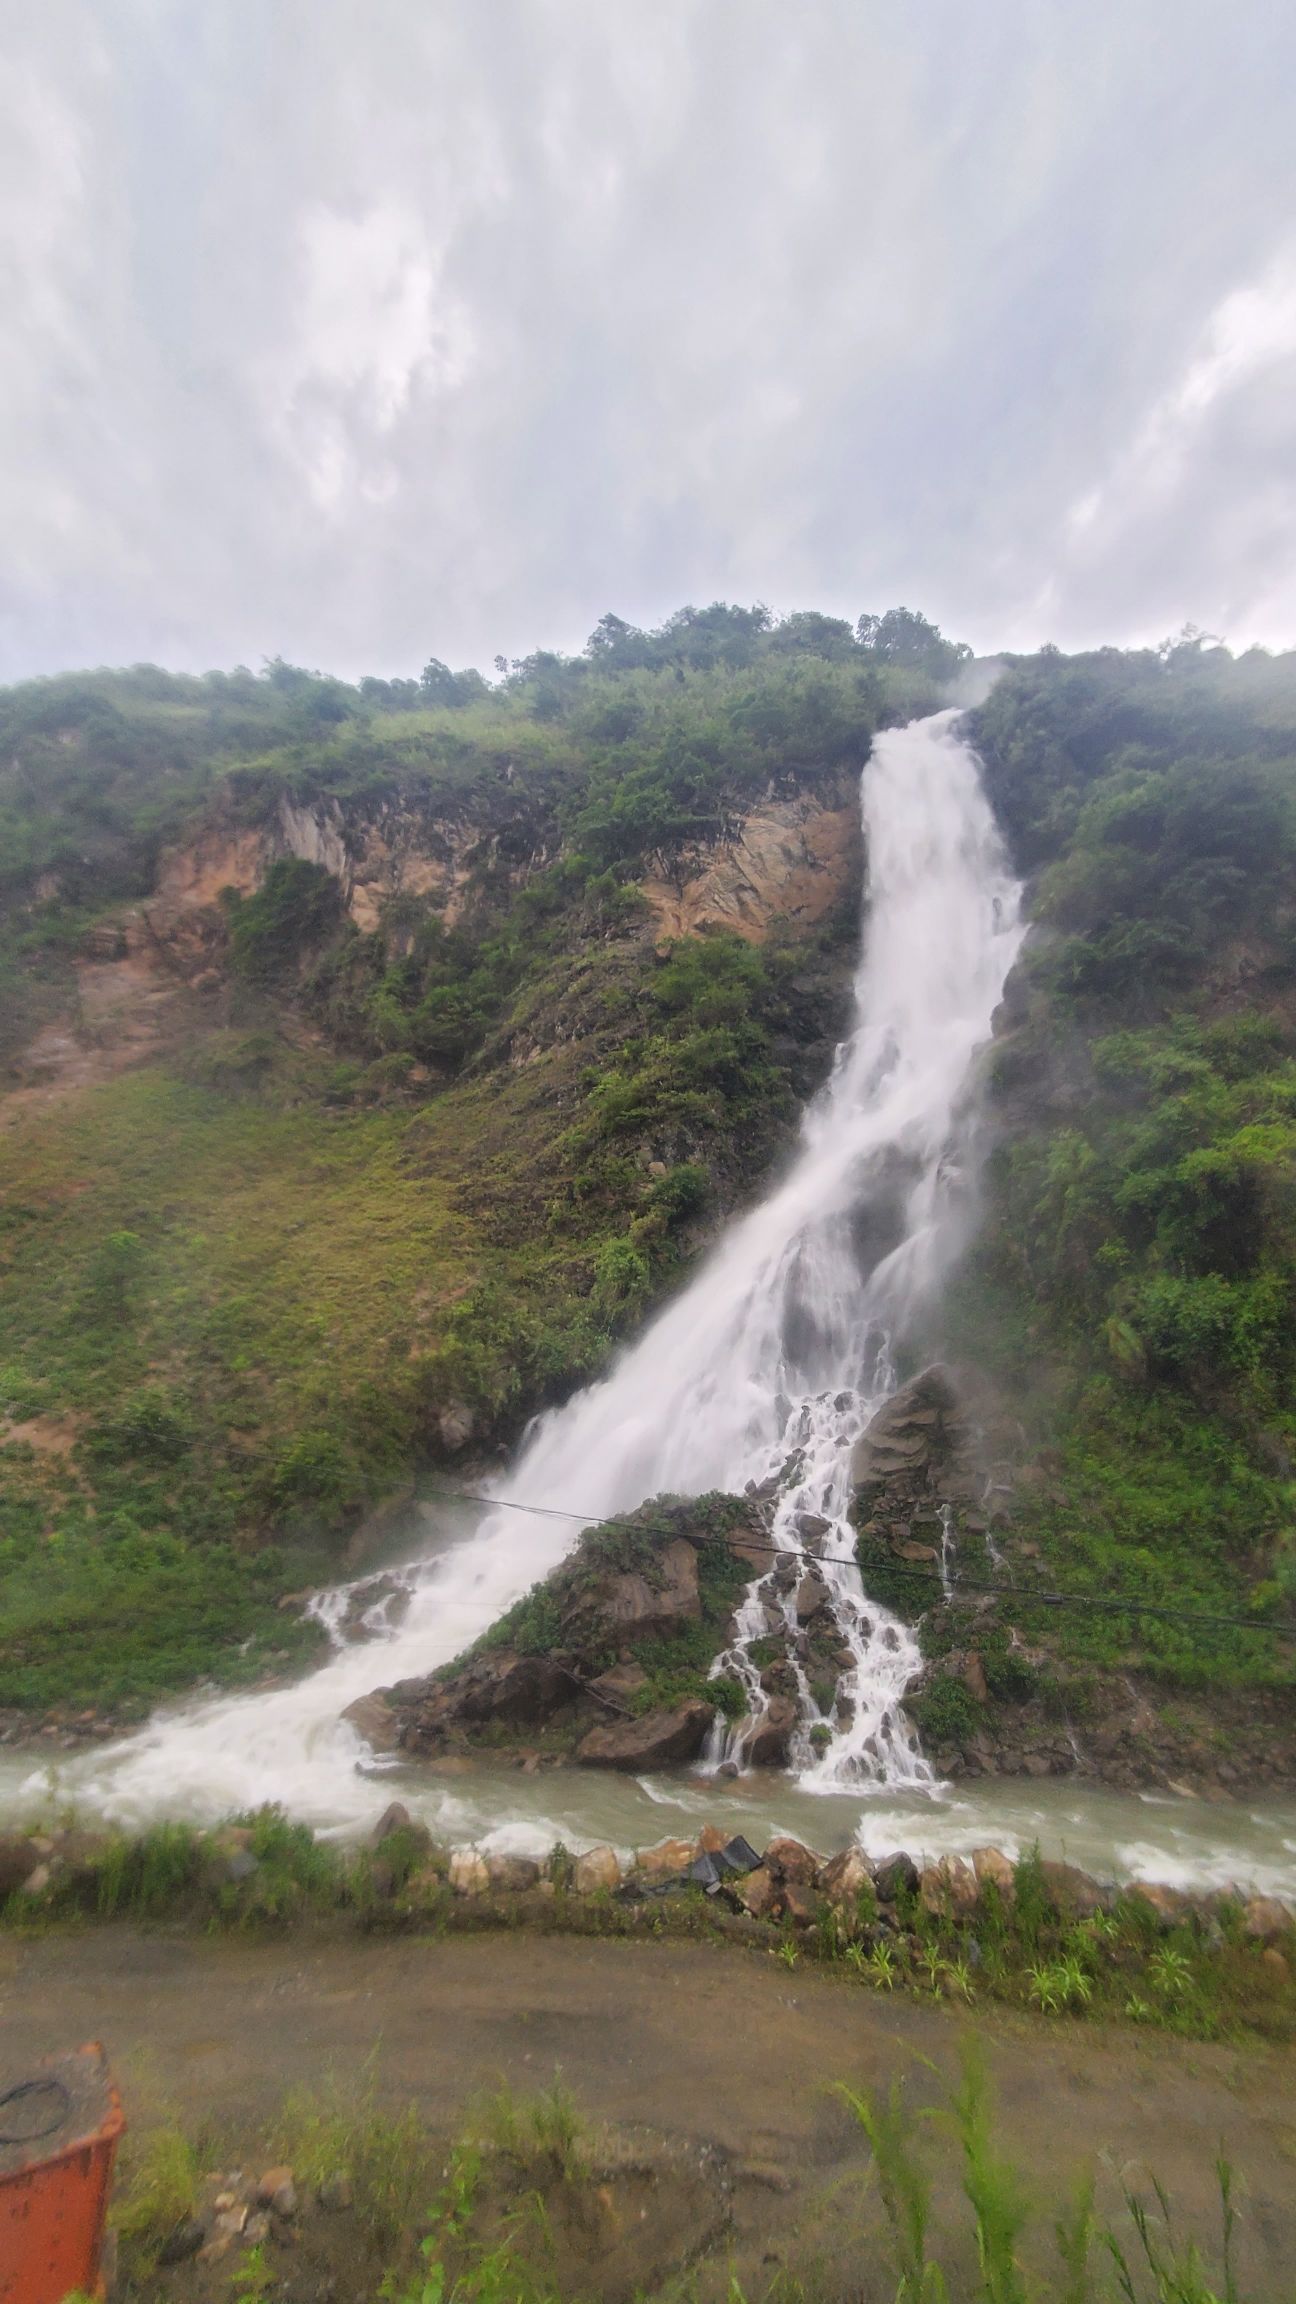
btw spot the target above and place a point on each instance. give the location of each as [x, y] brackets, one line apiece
[60, 2123]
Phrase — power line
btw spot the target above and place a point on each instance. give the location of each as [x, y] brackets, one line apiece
[922, 1576]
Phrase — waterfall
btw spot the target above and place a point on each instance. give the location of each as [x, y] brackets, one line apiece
[764, 1371]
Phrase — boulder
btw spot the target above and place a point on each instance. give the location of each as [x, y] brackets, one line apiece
[18, 1860]
[767, 1743]
[631, 1603]
[994, 1869]
[1266, 1921]
[790, 1860]
[800, 1904]
[907, 1427]
[974, 1679]
[397, 1818]
[896, 1876]
[373, 1718]
[948, 1889]
[811, 1599]
[597, 1868]
[512, 1874]
[1076, 1896]
[843, 1879]
[1167, 1905]
[276, 2189]
[758, 1893]
[620, 1686]
[522, 1691]
[654, 1740]
[468, 1873]
[182, 2241]
[667, 1861]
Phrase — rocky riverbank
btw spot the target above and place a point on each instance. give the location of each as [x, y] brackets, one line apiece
[608, 1663]
[1042, 1935]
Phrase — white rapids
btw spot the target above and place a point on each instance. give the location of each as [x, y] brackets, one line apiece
[764, 1371]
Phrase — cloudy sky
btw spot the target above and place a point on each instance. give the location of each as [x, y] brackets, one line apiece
[362, 330]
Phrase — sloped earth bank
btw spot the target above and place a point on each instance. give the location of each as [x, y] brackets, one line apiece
[713, 2070]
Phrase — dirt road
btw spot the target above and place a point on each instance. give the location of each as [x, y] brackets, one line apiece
[696, 2042]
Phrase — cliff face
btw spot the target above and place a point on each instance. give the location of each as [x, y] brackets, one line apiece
[782, 860]
[786, 865]
[788, 860]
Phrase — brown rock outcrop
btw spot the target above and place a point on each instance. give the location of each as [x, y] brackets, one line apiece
[654, 1740]
[787, 860]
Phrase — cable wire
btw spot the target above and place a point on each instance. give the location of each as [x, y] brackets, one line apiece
[923, 1576]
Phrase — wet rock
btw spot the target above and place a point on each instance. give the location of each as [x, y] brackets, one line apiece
[667, 1861]
[758, 1893]
[894, 1877]
[767, 1744]
[397, 1818]
[598, 1868]
[468, 1873]
[513, 1875]
[374, 1718]
[654, 1740]
[800, 1904]
[993, 1868]
[974, 1679]
[790, 1860]
[1266, 1921]
[521, 1691]
[907, 1428]
[619, 1686]
[948, 1889]
[1276, 1963]
[651, 1610]
[183, 2242]
[844, 1879]
[18, 1861]
[276, 2189]
[1168, 1905]
[336, 2194]
[811, 1599]
[1076, 1896]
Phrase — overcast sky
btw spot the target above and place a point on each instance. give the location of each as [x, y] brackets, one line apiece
[363, 330]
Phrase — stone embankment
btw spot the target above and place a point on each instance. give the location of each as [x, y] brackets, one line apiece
[787, 1883]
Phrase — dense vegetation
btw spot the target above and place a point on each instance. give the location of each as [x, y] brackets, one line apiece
[1135, 1283]
[434, 1170]
[390, 1176]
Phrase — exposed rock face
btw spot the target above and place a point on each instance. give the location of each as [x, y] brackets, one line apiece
[561, 1676]
[919, 1452]
[634, 1605]
[788, 860]
[656, 1740]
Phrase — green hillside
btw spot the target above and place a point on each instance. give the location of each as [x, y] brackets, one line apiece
[396, 1177]
[370, 1196]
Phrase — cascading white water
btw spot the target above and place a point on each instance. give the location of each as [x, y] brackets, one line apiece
[766, 1369]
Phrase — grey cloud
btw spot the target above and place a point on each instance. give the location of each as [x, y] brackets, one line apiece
[362, 329]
